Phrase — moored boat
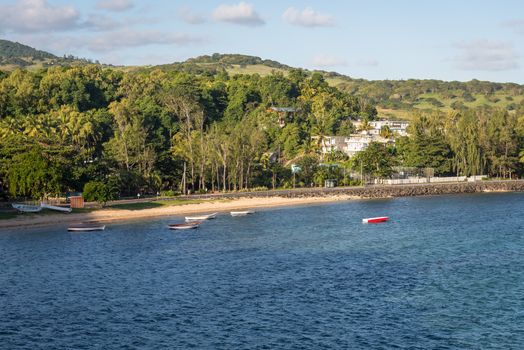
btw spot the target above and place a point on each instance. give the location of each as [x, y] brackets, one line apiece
[185, 226]
[57, 208]
[242, 213]
[86, 227]
[201, 217]
[26, 208]
[375, 220]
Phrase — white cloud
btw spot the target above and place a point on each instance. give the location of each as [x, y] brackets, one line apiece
[37, 15]
[369, 62]
[241, 13]
[132, 38]
[188, 16]
[485, 55]
[517, 25]
[114, 5]
[328, 61]
[307, 18]
[101, 22]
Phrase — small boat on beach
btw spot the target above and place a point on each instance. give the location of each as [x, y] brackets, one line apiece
[242, 213]
[57, 208]
[86, 227]
[185, 226]
[26, 208]
[201, 217]
[375, 220]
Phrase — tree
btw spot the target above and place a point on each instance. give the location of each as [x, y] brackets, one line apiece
[376, 160]
[97, 191]
[32, 175]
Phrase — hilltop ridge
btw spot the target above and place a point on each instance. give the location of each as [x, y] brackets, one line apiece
[398, 99]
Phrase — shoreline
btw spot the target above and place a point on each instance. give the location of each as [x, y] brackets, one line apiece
[257, 200]
[107, 215]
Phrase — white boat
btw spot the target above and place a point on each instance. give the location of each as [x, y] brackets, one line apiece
[86, 227]
[201, 217]
[185, 226]
[57, 208]
[26, 208]
[242, 213]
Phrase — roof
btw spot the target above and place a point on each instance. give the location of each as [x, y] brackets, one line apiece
[285, 109]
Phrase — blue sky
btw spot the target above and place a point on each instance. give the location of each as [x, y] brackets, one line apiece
[374, 39]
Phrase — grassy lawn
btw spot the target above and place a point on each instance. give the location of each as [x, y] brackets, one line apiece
[253, 69]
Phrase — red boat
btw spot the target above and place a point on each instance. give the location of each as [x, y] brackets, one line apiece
[375, 220]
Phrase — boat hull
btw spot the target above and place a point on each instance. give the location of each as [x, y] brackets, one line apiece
[242, 213]
[185, 226]
[24, 208]
[375, 220]
[201, 217]
[86, 228]
[57, 208]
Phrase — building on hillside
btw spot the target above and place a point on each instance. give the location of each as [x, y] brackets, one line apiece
[351, 144]
[397, 127]
[359, 142]
[331, 144]
[284, 114]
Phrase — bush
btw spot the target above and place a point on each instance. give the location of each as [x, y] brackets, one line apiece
[97, 191]
[169, 193]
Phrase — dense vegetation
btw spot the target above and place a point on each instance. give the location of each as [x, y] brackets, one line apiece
[401, 98]
[61, 128]
[110, 133]
[10, 49]
[393, 98]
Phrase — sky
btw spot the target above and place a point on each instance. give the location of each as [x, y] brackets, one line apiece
[373, 39]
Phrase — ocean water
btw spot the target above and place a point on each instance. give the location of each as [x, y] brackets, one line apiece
[446, 272]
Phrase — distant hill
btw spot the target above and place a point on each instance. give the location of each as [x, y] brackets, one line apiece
[398, 99]
[15, 55]
[11, 49]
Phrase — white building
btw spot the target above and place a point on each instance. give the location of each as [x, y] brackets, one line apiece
[359, 142]
[332, 143]
[397, 127]
[352, 144]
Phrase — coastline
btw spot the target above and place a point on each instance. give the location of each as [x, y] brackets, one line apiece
[107, 215]
[225, 202]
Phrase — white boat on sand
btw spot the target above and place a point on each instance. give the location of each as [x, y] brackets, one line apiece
[201, 217]
[57, 208]
[26, 208]
[86, 227]
[185, 226]
[242, 213]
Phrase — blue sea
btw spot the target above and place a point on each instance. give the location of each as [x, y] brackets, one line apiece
[446, 272]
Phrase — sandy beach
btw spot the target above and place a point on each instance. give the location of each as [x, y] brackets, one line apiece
[211, 206]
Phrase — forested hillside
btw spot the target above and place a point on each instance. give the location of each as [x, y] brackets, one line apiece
[396, 99]
[124, 132]
[63, 127]
[14, 55]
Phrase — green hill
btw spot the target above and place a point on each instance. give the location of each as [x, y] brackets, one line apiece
[15, 55]
[398, 99]
[10, 49]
